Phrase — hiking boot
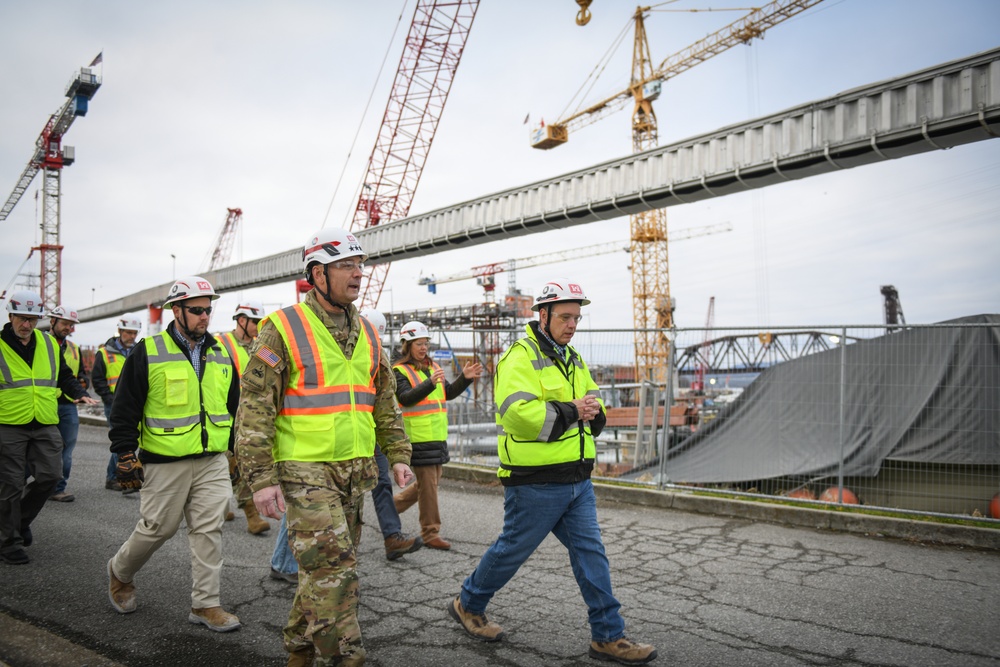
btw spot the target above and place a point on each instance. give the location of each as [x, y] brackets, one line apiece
[475, 625]
[122, 595]
[290, 577]
[15, 557]
[438, 542]
[399, 544]
[229, 515]
[623, 650]
[62, 497]
[112, 485]
[303, 658]
[215, 618]
[256, 524]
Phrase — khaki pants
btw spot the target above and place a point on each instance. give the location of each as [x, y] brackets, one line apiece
[196, 490]
[424, 492]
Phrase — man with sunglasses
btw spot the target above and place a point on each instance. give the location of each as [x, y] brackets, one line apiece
[248, 314]
[549, 411]
[316, 395]
[174, 403]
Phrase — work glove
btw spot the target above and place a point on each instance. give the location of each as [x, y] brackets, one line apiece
[234, 468]
[129, 472]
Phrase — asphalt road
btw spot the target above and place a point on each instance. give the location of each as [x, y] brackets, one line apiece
[705, 590]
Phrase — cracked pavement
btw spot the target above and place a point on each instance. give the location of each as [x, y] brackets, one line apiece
[706, 590]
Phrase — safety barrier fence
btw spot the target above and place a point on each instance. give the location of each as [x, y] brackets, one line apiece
[902, 417]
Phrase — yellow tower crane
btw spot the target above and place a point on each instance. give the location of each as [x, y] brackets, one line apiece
[651, 303]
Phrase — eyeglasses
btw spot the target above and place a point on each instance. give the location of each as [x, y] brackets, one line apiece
[565, 318]
[345, 265]
[198, 310]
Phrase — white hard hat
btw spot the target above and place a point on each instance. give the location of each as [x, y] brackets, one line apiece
[414, 330]
[560, 289]
[376, 318]
[331, 245]
[190, 288]
[129, 324]
[64, 313]
[251, 308]
[25, 302]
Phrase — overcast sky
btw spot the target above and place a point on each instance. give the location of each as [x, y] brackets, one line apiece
[211, 105]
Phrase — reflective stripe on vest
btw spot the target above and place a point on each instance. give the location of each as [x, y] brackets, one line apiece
[523, 443]
[179, 408]
[30, 393]
[329, 402]
[113, 365]
[237, 352]
[426, 421]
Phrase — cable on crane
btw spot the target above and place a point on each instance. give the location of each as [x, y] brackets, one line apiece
[364, 114]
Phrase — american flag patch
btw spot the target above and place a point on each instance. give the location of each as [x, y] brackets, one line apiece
[268, 356]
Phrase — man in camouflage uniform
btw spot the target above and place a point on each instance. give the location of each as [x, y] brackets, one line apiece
[316, 395]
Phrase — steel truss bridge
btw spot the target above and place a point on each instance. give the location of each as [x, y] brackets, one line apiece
[754, 352]
[933, 109]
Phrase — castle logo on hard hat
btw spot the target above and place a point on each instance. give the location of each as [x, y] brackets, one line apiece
[203, 285]
[575, 289]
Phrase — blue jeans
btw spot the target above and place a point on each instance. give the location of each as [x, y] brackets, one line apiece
[283, 560]
[110, 473]
[385, 508]
[531, 512]
[69, 429]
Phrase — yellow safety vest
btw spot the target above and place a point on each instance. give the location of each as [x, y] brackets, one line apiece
[525, 419]
[113, 364]
[426, 421]
[178, 407]
[29, 393]
[73, 359]
[237, 352]
[329, 402]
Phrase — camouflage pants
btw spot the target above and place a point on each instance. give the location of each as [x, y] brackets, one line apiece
[324, 502]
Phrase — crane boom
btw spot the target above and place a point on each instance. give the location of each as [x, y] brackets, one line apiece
[227, 235]
[741, 31]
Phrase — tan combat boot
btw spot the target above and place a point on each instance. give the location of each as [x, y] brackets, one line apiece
[215, 618]
[623, 650]
[303, 658]
[475, 625]
[255, 523]
[122, 595]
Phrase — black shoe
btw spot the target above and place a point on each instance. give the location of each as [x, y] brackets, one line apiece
[15, 557]
[26, 538]
[290, 577]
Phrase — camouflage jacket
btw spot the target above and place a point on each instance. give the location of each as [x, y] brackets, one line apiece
[263, 391]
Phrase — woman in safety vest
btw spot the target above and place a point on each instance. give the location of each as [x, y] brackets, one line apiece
[421, 391]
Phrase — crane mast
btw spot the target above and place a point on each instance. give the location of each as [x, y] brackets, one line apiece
[423, 80]
[227, 235]
[49, 157]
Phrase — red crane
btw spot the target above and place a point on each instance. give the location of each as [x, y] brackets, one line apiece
[227, 235]
[698, 384]
[423, 80]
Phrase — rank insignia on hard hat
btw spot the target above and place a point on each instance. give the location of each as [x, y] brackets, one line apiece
[268, 356]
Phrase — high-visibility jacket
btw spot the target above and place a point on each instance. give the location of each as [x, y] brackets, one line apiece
[525, 381]
[29, 393]
[113, 364]
[237, 352]
[329, 402]
[179, 409]
[426, 421]
[71, 352]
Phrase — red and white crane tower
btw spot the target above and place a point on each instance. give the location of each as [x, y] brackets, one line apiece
[423, 80]
[49, 157]
[223, 248]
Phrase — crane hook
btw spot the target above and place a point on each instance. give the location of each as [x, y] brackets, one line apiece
[583, 16]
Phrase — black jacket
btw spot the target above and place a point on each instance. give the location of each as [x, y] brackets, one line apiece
[130, 401]
[435, 452]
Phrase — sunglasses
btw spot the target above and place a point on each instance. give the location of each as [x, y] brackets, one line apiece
[198, 310]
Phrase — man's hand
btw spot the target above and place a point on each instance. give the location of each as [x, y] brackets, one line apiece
[129, 472]
[269, 502]
[402, 474]
[86, 400]
[587, 407]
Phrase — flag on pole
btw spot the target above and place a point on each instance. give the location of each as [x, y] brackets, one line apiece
[526, 118]
[98, 60]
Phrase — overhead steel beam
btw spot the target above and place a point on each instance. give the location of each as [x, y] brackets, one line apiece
[936, 108]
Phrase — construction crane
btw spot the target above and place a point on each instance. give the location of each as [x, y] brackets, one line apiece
[651, 302]
[893, 307]
[49, 157]
[423, 80]
[223, 248]
[485, 274]
[698, 384]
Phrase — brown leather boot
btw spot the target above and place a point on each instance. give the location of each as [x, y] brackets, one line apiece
[400, 544]
[122, 595]
[624, 651]
[475, 625]
[255, 523]
[214, 618]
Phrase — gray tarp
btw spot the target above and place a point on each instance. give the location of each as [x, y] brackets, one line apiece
[927, 395]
